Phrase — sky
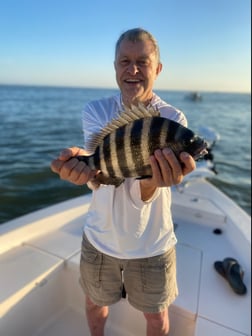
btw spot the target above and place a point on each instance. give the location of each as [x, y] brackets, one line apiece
[205, 45]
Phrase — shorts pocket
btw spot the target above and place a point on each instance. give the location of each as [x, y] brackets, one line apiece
[156, 272]
[90, 264]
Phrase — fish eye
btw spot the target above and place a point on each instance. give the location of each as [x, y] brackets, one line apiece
[187, 142]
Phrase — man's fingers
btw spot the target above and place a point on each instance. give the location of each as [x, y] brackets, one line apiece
[67, 153]
[167, 169]
[176, 173]
[189, 163]
[56, 165]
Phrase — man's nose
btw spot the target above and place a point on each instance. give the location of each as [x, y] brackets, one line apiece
[133, 68]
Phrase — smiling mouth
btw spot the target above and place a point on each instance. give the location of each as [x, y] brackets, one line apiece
[132, 81]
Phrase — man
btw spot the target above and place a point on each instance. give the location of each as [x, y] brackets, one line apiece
[128, 232]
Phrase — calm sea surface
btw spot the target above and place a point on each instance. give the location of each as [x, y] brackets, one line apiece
[38, 122]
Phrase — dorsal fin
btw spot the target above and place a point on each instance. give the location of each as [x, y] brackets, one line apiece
[128, 115]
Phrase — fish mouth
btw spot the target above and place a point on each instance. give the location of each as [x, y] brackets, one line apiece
[200, 153]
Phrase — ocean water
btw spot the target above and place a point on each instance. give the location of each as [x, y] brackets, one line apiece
[38, 122]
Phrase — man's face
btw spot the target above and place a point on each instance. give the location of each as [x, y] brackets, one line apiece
[136, 67]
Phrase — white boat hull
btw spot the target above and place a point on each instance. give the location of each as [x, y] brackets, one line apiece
[40, 293]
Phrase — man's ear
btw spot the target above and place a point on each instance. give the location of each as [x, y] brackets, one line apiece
[159, 68]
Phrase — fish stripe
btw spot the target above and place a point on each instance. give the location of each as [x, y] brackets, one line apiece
[145, 149]
[121, 152]
[97, 161]
[102, 159]
[171, 132]
[174, 135]
[128, 150]
[109, 149]
[163, 131]
[154, 137]
[114, 155]
[135, 143]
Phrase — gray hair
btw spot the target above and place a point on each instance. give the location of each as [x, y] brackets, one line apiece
[138, 34]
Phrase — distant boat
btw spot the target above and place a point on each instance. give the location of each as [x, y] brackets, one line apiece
[194, 96]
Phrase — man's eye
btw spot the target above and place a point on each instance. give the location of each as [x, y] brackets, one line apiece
[124, 62]
[142, 63]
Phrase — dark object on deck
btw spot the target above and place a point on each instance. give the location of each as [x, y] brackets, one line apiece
[232, 271]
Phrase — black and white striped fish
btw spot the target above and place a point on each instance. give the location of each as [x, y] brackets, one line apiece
[123, 148]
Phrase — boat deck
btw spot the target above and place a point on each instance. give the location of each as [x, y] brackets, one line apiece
[49, 291]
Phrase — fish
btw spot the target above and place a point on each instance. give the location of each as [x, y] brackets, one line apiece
[123, 147]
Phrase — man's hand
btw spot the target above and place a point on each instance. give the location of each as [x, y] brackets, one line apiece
[71, 169]
[166, 171]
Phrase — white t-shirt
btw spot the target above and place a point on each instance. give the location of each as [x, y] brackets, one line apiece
[118, 222]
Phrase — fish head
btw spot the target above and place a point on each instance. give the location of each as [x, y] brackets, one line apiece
[195, 146]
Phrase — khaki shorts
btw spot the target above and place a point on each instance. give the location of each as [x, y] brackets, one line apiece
[150, 283]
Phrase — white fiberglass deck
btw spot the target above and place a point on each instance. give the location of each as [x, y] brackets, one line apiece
[40, 293]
